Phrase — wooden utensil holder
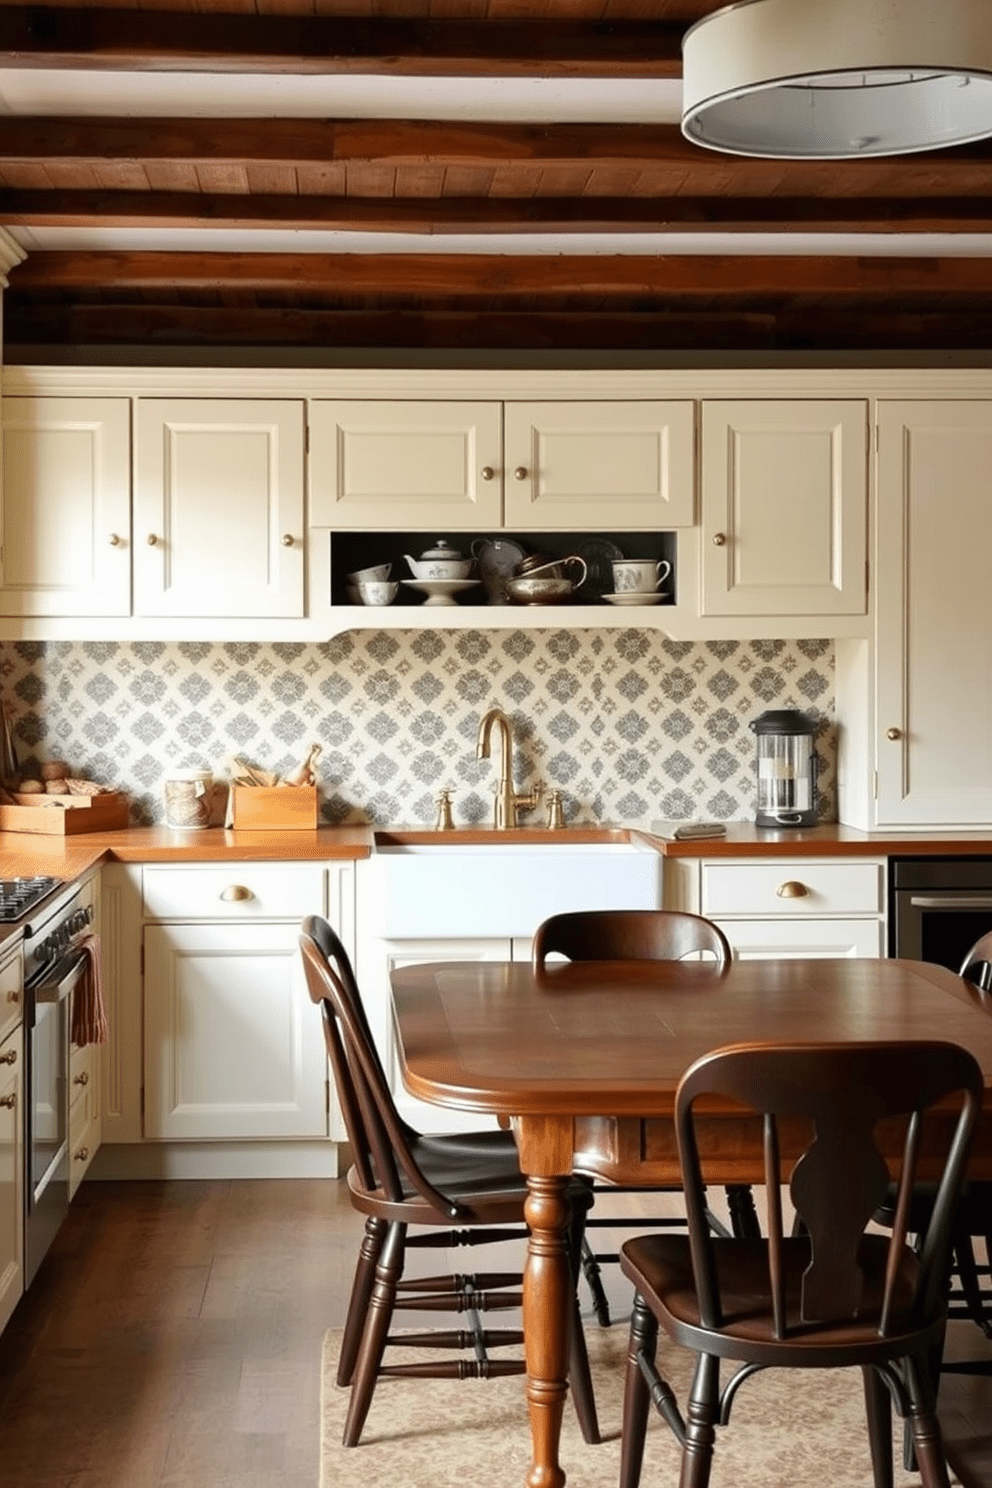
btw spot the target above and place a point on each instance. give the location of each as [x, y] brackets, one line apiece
[260, 808]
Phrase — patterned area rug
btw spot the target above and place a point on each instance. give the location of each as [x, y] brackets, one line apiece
[788, 1430]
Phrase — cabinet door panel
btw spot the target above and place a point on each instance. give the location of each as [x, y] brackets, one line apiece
[233, 1045]
[405, 464]
[775, 939]
[784, 496]
[934, 640]
[11, 1175]
[589, 465]
[219, 486]
[66, 506]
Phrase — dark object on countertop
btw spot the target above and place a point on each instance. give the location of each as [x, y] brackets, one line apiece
[832, 1293]
[688, 831]
[787, 765]
[463, 1190]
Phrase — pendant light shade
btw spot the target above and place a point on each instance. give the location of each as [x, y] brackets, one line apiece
[838, 79]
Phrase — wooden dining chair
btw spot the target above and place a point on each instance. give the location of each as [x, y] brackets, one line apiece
[452, 1190]
[969, 1296]
[636, 935]
[832, 1294]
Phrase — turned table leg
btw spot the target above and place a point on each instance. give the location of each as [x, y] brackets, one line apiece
[545, 1148]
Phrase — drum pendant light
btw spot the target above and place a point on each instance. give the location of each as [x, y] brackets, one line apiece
[838, 79]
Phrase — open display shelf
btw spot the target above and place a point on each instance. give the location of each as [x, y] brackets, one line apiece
[353, 551]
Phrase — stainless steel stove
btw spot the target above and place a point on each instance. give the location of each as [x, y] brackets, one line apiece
[18, 895]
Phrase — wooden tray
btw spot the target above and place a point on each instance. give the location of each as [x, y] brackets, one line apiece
[262, 807]
[68, 816]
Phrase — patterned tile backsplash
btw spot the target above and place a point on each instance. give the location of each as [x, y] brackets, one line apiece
[628, 726]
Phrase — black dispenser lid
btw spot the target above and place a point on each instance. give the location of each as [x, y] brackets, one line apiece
[782, 721]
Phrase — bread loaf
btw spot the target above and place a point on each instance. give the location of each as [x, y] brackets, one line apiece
[56, 788]
[54, 770]
[31, 788]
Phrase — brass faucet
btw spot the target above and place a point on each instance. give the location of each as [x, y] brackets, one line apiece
[508, 802]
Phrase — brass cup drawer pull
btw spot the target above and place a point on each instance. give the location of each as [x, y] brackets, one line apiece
[82, 1079]
[9, 1058]
[792, 889]
[8, 1102]
[236, 893]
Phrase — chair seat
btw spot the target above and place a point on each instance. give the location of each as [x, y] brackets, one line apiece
[660, 1266]
[478, 1171]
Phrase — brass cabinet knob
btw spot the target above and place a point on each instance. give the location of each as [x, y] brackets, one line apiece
[235, 892]
[893, 734]
[9, 1058]
[792, 889]
[287, 539]
[82, 1079]
[8, 1102]
[719, 539]
[82, 1154]
[520, 473]
[114, 540]
[152, 539]
[487, 472]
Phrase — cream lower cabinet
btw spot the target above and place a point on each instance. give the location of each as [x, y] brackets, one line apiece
[932, 719]
[216, 1040]
[11, 1136]
[787, 906]
[784, 507]
[85, 1067]
[232, 1042]
[219, 507]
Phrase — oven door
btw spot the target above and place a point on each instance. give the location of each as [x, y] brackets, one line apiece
[939, 907]
[46, 1128]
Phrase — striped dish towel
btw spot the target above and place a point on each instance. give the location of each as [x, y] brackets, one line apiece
[89, 1016]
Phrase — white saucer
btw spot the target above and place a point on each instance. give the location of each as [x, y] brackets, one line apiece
[635, 597]
[440, 591]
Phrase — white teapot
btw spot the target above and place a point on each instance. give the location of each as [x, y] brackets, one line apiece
[440, 562]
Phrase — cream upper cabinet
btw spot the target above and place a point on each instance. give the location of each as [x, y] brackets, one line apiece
[219, 507]
[590, 465]
[405, 464]
[66, 506]
[784, 507]
[933, 716]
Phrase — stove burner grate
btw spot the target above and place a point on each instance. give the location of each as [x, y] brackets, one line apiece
[18, 895]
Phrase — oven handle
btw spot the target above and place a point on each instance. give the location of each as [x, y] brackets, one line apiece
[951, 901]
[62, 979]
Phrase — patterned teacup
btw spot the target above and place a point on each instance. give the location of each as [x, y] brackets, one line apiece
[639, 575]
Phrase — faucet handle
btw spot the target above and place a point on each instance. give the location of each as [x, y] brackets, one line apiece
[531, 799]
[555, 815]
[444, 821]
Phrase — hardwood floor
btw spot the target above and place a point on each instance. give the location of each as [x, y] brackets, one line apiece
[172, 1340]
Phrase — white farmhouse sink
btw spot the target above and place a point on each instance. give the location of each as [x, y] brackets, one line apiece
[452, 890]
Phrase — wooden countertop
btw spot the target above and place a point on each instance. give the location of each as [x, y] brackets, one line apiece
[23, 853]
[744, 840]
[26, 853]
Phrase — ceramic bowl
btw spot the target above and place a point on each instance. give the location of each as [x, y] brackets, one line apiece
[440, 568]
[378, 574]
[378, 592]
[540, 590]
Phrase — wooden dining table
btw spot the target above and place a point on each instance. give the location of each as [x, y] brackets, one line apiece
[583, 1061]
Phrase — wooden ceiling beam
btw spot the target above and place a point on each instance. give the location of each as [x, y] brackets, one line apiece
[187, 41]
[486, 215]
[28, 326]
[453, 277]
[63, 141]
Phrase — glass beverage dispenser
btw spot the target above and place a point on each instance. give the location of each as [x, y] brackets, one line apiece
[786, 769]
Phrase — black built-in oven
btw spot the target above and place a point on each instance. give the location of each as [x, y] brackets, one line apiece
[938, 907]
